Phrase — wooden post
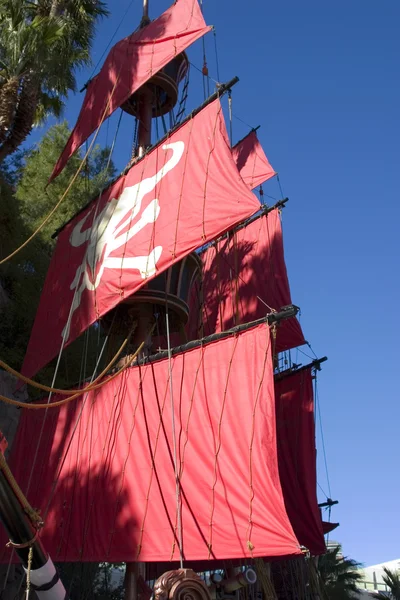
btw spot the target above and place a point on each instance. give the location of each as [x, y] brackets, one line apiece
[131, 577]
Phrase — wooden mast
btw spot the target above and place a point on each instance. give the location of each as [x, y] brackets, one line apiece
[145, 113]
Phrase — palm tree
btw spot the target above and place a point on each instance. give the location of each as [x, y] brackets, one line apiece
[392, 580]
[339, 575]
[42, 43]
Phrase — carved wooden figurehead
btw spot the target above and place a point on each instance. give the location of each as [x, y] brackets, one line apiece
[181, 584]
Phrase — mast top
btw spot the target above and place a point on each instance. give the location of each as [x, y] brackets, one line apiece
[145, 18]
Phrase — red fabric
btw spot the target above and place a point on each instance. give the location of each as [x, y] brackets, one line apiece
[183, 193]
[327, 527]
[132, 62]
[116, 471]
[251, 161]
[244, 277]
[297, 458]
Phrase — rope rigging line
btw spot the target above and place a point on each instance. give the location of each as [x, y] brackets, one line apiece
[305, 353]
[230, 116]
[153, 452]
[317, 402]
[237, 274]
[217, 83]
[89, 388]
[218, 445]
[75, 428]
[64, 195]
[61, 392]
[64, 335]
[244, 122]
[216, 52]
[207, 167]
[206, 80]
[279, 183]
[182, 103]
[19, 375]
[64, 457]
[311, 348]
[322, 490]
[28, 573]
[177, 474]
[32, 514]
[109, 43]
[253, 428]
[123, 470]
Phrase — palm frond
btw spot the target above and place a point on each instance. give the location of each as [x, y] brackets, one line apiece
[48, 105]
[45, 41]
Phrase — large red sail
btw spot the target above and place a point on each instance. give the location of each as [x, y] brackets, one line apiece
[183, 193]
[104, 475]
[244, 278]
[251, 161]
[132, 62]
[294, 401]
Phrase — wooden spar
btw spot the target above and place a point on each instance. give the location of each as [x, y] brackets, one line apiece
[286, 312]
[222, 89]
[315, 364]
[26, 543]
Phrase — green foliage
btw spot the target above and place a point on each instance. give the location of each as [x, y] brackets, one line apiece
[24, 203]
[42, 44]
[26, 38]
[92, 581]
[35, 200]
[392, 580]
[339, 575]
[49, 37]
[15, 280]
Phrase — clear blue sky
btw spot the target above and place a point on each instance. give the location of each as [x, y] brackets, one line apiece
[322, 80]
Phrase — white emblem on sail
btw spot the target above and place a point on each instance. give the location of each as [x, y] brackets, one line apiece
[104, 236]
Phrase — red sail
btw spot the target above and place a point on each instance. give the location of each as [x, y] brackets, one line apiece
[132, 62]
[183, 193]
[327, 526]
[251, 161]
[295, 427]
[244, 278]
[110, 458]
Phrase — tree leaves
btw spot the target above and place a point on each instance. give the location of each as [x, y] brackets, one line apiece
[42, 44]
[24, 202]
[392, 580]
[339, 575]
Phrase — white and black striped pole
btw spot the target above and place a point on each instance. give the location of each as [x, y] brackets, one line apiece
[39, 568]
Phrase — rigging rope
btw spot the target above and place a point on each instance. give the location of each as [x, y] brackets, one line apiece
[279, 183]
[28, 573]
[64, 195]
[230, 115]
[89, 388]
[216, 53]
[75, 428]
[109, 43]
[322, 433]
[61, 392]
[177, 475]
[33, 514]
[73, 299]
[206, 81]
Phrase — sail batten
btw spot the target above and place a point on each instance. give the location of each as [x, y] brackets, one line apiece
[185, 192]
[132, 62]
